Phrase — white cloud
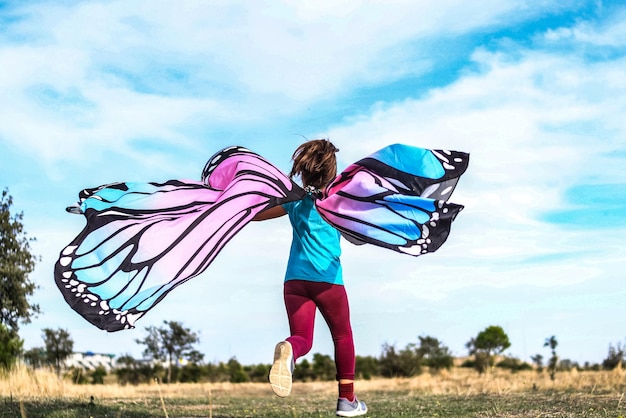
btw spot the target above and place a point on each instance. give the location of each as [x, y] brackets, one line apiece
[236, 62]
[535, 125]
[611, 33]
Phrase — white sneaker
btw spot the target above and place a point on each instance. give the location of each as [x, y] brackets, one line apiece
[282, 369]
[345, 408]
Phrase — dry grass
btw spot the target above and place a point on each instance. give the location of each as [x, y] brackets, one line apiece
[24, 383]
[461, 381]
[459, 393]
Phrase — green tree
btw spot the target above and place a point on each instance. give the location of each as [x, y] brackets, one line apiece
[195, 357]
[434, 354]
[403, 363]
[129, 370]
[236, 371]
[76, 375]
[59, 345]
[567, 365]
[35, 357]
[615, 358]
[97, 376]
[10, 347]
[16, 263]
[126, 370]
[324, 367]
[554, 359]
[216, 372]
[258, 372]
[538, 360]
[366, 367]
[489, 342]
[169, 343]
[304, 371]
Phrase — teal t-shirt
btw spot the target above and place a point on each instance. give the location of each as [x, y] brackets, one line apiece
[315, 249]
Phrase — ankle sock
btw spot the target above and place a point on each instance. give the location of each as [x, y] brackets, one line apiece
[346, 390]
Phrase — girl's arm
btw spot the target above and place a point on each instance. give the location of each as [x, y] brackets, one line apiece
[270, 213]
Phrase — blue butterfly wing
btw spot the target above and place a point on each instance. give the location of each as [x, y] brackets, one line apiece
[396, 198]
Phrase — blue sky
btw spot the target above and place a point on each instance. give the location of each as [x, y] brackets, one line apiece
[103, 91]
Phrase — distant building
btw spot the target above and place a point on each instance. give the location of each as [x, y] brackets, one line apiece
[90, 361]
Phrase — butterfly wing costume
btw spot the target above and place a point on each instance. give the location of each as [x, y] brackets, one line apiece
[396, 198]
[142, 240]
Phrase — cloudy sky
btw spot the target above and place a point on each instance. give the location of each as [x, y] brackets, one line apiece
[102, 91]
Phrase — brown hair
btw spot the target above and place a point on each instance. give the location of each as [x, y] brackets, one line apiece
[315, 162]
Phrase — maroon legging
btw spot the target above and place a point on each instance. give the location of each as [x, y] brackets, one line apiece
[301, 300]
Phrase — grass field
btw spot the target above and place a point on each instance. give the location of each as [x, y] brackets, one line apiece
[459, 393]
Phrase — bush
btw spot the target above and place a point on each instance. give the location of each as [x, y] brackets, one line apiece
[468, 363]
[10, 347]
[191, 372]
[131, 371]
[615, 357]
[77, 375]
[366, 367]
[567, 365]
[258, 373]
[216, 373]
[97, 375]
[595, 367]
[405, 363]
[324, 367]
[304, 371]
[513, 364]
[434, 354]
[236, 371]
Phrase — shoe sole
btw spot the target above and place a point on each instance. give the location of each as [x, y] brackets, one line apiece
[280, 373]
[351, 414]
[360, 410]
[355, 413]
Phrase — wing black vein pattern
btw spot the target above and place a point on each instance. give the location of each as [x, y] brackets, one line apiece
[144, 239]
[396, 198]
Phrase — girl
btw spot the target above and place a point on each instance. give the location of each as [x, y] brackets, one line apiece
[314, 279]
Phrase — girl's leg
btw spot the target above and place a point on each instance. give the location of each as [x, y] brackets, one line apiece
[301, 315]
[332, 302]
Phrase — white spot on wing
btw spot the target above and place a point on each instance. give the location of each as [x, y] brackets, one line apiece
[69, 249]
